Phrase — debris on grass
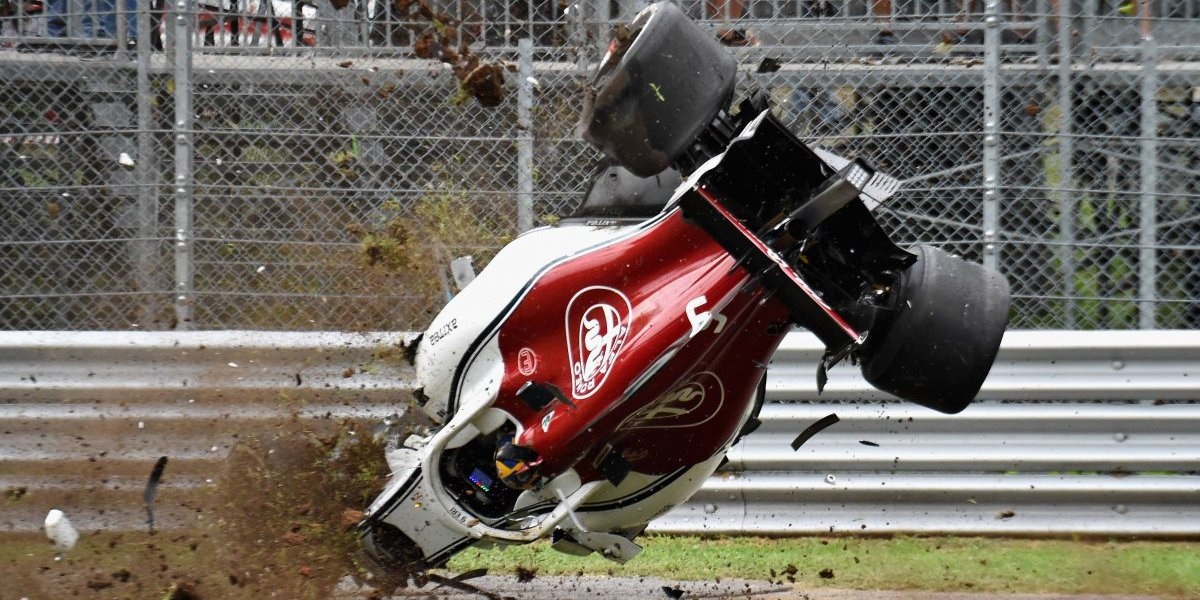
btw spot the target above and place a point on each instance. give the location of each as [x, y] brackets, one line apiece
[181, 591]
[526, 574]
[152, 490]
[60, 531]
[673, 593]
[15, 494]
[790, 572]
[98, 584]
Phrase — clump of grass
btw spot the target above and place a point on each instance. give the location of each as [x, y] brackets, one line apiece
[421, 238]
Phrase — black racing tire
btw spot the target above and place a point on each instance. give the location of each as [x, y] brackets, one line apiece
[662, 84]
[938, 346]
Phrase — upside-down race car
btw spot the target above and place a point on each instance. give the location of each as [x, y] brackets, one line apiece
[596, 373]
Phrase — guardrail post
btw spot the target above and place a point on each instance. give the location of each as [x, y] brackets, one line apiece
[184, 263]
[991, 135]
[1148, 238]
[1066, 166]
[525, 136]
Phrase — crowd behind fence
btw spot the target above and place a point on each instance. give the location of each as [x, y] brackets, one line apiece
[316, 165]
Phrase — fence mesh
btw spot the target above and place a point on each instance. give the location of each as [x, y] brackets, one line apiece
[317, 164]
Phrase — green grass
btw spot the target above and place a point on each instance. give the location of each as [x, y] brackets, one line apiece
[900, 563]
[934, 564]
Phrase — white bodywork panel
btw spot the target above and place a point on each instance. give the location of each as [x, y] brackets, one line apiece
[449, 338]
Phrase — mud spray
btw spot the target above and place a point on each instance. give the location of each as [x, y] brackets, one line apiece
[279, 522]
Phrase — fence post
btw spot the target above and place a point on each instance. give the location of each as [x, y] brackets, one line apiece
[168, 32]
[144, 174]
[1043, 33]
[1066, 166]
[184, 265]
[1148, 238]
[75, 9]
[525, 136]
[122, 32]
[991, 135]
[1087, 39]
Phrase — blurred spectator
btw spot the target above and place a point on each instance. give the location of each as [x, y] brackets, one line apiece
[816, 107]
[106, 16]
[727, 10]
[15, 14]
[56, 18]
[973, 9]
[97, 18]
[882, 10]
[220, 22]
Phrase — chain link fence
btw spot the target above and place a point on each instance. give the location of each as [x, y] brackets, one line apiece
[294, 165]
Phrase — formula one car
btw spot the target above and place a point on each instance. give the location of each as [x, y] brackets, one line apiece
[596, 373]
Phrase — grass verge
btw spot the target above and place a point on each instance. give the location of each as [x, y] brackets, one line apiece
[899, 563]
[152, 566]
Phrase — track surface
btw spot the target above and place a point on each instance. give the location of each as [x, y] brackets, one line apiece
[652, 588]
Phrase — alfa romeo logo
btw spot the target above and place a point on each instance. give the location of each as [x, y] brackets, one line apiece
[692, 403]
[597, 325]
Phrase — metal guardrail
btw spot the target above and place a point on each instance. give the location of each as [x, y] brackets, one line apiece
[84, 416]
[1075, 433]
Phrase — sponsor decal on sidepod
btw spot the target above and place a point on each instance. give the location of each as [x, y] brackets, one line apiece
[597, 324]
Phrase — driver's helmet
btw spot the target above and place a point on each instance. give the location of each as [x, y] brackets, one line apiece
[515, 465]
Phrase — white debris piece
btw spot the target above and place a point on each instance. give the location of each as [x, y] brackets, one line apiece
[60, 531]
[125, 159]
[463, 271]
